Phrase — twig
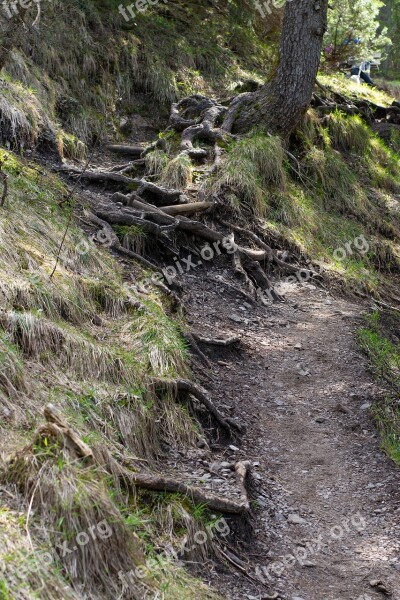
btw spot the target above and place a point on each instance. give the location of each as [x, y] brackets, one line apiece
[4, 178]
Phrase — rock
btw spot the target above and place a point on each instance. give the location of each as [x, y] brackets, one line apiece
[295, 519]
[320, 420]
[308, 563]
[215, 468]
[298, 346]
[235, 318]
[380, 586]
[365, 406]
[233, 448]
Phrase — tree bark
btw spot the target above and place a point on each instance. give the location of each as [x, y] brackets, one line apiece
[280, 104]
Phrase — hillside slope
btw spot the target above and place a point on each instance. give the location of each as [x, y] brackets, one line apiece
[120, 476]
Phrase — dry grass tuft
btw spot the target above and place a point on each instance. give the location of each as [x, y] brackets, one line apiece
[254, 165]
[156, 162]
[41, 339]
[73, 515]
[177, 173]
[349, 133]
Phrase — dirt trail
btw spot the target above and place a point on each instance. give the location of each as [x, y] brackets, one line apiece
[327, 521]
[309, 427]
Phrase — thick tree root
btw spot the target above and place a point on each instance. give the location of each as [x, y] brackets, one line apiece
[191, 339]
[57, 429]
[159, 483]
[134, 152]
[188, 387]
[217, 342]
[113, 242]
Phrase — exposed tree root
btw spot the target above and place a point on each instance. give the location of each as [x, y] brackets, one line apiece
[116, 245]
[192, 341]
[100, 176]
[159, 195]
[183, 385]
[58, 429]
[126, 150]
[217, 342]
[159, 483]
[242, 470]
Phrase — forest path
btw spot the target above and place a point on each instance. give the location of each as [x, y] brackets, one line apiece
[328, 522]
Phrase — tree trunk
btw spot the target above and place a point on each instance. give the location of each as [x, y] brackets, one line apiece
[280, 104]
[12, 32]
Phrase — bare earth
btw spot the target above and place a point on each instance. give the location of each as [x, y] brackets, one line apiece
[328, 518]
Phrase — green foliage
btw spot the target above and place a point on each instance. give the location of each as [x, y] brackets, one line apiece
[4, 590]
[379, 339]
[254, 165]
[349, 133]
[350, 20]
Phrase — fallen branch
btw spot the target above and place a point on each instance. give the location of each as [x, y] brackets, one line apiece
[184, 209]
[4, 179]
[242, 470]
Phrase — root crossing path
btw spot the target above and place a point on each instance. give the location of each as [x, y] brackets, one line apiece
[327, 521]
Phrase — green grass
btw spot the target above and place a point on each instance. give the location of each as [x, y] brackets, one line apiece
[380, 340]
[50, 351]
[350, 88]
[253, 166]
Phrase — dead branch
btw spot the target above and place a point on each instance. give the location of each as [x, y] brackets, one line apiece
[72, 439]
[4, 179]
[242, 470]
[185, 209]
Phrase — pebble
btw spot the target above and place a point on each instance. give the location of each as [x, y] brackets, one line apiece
[235, 318]
[295, 519]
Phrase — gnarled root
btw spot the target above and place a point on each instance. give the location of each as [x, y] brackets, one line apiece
[183, 385]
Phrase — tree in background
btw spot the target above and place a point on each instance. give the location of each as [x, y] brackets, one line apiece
[390, 18]
[354, 30]
[281, 103]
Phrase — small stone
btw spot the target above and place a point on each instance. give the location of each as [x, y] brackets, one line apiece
[365, 406]
[308, 563]
[233, 448]
[295, 519]
[298, 346]
[235, 318]
[320, 420]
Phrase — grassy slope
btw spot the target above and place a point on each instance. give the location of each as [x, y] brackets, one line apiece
[50, 351]
[170, 51]
[380, 340]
